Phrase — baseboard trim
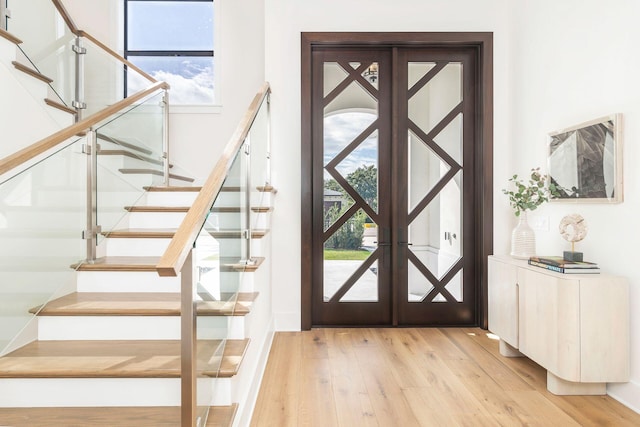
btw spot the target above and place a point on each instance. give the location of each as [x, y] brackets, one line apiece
[287, 322]
[246, 410]
[626, 393]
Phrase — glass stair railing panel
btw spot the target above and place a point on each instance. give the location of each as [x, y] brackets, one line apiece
[259, 136]
[47, 43]
[106, 78]
[220, 259]
[42, 219]
[129, 158]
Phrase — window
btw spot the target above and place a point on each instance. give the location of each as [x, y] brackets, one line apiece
[173, 42]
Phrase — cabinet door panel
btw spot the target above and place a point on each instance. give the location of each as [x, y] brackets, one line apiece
[549, 330]
[605, 330]
[503, 301]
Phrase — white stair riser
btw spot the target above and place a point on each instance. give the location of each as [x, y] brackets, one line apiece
[113, 198]
[169, 198]
[155, 219]
[136, 246]
[234, 199]
[51, 328]
[232, 247]
[237, 282]
[235, 220]
[174, 219]
[116, 162]
[90, 392]
[126, 281]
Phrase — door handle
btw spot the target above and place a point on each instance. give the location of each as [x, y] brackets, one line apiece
[382, 244]
[404, 244]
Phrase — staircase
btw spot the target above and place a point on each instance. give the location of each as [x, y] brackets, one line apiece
[108, 353]
[99, 344]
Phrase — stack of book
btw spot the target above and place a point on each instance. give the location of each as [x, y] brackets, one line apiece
[558, 264]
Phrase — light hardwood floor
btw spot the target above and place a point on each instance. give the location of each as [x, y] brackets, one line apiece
[414, 377]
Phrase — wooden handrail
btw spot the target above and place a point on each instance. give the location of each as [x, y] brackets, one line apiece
[65, 15]
[82, 33]
[174, 257]
[28, 153]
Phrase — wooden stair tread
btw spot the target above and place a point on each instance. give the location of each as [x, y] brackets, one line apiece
[229, 265]
[120, 263]
[118, 359]
[149, 263]
[267, 189]
[234, 209]
[142, 304]
[134, 233]
[59, 106]
[132, 155]
[123, 143]
[157, 189]
[31, 72]
[168, 233]
[133, 171]
[7, 35]
[183, 209]
[236, 234]
[260, 188]
[152, 416]
[178, 209]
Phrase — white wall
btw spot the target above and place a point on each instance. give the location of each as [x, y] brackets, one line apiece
[574, 61]
[199, 134]
[285, 20]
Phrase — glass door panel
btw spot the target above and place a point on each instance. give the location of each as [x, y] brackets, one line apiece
[352, 125]
[437, 114]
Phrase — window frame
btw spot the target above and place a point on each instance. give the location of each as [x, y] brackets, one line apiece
[127, 53]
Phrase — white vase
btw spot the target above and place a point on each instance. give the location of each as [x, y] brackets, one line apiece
[523, 239]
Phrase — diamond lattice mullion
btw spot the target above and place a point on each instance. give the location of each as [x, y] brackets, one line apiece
[427, 138]
[359, 201]
[445, 280]
[438, 285]
[426, 78]
[355, 276]
[340, 222]
[353, 145]
[356, 75]
[434, 192]
[338, 89]
[446, 120]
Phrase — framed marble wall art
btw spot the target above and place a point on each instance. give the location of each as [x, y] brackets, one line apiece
[585, 161]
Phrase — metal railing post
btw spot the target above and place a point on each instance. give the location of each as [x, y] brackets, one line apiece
[79, 103]
[90, 234]
[5, 14]
[165, 137]
[188, 344]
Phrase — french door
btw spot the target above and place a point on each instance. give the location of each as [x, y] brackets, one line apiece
[394, 186]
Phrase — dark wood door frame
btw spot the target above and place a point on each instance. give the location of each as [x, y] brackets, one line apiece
[483, 42]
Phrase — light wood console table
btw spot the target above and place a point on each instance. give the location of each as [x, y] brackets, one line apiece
[574, 325]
